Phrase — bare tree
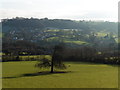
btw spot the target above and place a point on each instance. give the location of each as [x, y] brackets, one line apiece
[55, 62]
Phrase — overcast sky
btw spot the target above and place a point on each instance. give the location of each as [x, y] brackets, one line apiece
[62, 9]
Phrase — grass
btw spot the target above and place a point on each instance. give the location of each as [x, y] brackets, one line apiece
[52, 38]
[0, 75]
[79, 75]
[35, 57]
[53, 30]
[1, 35]
[76, 42]
[101, 34]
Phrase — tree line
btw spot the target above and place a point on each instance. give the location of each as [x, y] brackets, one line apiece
[19, 23]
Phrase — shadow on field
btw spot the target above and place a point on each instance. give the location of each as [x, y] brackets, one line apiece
[36, 74]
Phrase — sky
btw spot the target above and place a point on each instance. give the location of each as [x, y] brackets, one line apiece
[106, 10]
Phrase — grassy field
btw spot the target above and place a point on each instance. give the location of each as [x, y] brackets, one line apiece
[79, 75]
[76, 42]
[35, 57]
[0, 75]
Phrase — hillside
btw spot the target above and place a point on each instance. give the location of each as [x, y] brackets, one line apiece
[35, 30]
[83, 40]
[48, 32]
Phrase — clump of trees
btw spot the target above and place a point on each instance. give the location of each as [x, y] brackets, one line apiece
[91, 54]
[12, 50]
[85, 53]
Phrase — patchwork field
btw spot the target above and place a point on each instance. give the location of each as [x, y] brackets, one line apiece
[78, 75]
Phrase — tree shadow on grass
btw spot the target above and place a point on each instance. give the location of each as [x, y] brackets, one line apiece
[36, 74]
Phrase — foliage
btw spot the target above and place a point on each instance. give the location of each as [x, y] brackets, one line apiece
[34, 23]
[55, 62]
[46, 63]
[43, 63]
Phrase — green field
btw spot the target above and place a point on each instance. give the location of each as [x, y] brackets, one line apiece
[37, 57]
[76, 42]
[79, 75]
[0, 75]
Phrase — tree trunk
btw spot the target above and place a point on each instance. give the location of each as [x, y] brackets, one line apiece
[52, 62]
[51, 67]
